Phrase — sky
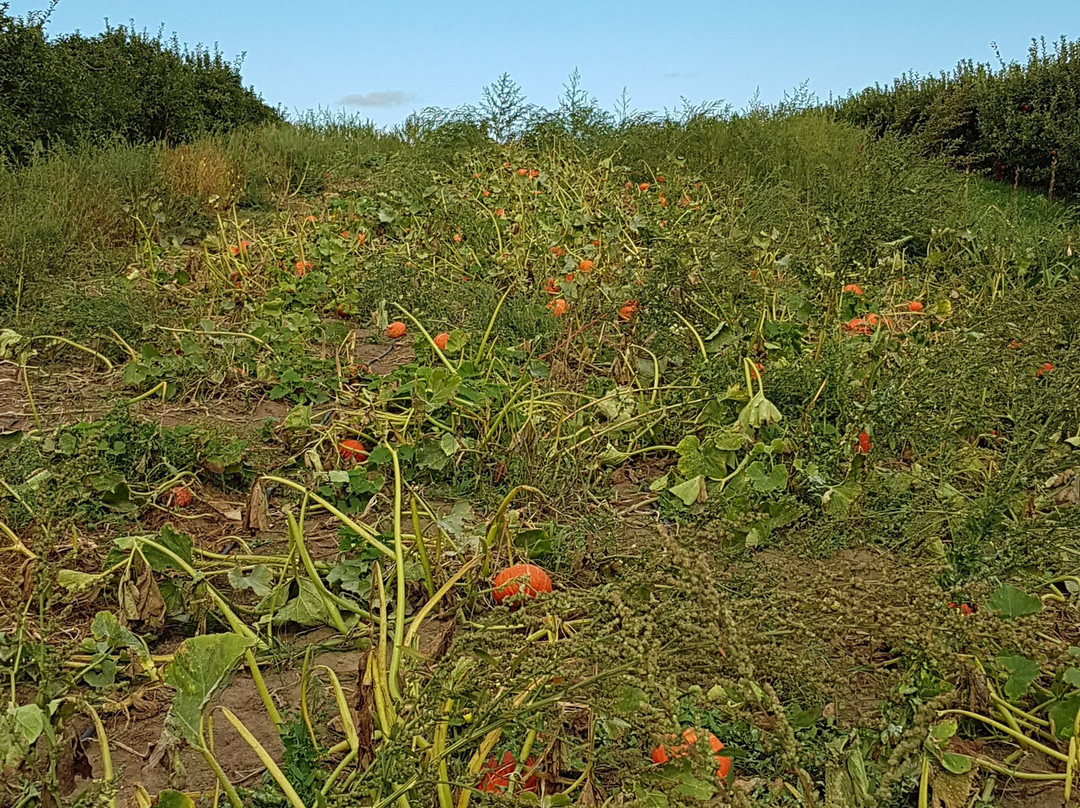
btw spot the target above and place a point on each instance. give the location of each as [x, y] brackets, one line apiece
[382, 60]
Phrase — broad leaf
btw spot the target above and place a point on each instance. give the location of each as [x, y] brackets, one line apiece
[260, 581]
[839, 499]
[198, 669]
[690, 491]
[1010, 602]
[1023, 672]
[174, 799]
[20, 727]
[178, 543]
[1063, 714]
[957, 764]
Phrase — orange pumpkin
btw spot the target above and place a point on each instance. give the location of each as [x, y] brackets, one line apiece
[441, 340]
[181, 496]
[558, 307]
[527, 579]
[352, 449]
[915, 305]
[497, 775]
[396, 330]
[586, 266]
[661, 755]
[853, 288]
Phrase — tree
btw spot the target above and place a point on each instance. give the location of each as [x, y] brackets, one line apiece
[504, 109]
[578, 110]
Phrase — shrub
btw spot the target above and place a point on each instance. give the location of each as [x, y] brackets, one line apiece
[120, 83]
[1019, 123]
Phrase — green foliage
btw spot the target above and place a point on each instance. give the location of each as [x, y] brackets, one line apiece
[199, 668]
[1019, 123]
[120, 84]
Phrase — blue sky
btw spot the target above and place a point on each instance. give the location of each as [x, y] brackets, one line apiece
[392, 56]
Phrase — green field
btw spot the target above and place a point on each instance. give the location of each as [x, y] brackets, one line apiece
[789, 415]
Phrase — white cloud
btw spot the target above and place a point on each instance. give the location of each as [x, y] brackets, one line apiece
[377, 98]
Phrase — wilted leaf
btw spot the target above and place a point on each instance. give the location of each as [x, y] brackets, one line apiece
[256, 512]
[106, 628]
[306, 609]
[73, 580]
[950, 789]
[758, 411]
[838, 499]
[454, 523]
[20, 727]
[260, 580]
[612, 456]
[140, 599]
[198, 669]
[298, 419]
[690, 491]
[226, 509]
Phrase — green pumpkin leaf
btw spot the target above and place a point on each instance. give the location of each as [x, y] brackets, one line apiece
[1063, 714]
[20, 727]
[1011, 603]
[198, 669]
[690, 491]
[957, 764]
[1023, 672]
[174, 799]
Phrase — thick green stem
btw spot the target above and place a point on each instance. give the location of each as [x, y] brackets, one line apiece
[421, 548]
[230, 790]
[399, 605]
[260, 685]
[365, 533]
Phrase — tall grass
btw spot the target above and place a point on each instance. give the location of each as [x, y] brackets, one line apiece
[835, 200]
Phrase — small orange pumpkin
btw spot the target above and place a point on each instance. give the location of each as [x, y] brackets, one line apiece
[527, 579]
[441, 340]
[660, 755]
[352, 449]
[181, 496]
[396, 330]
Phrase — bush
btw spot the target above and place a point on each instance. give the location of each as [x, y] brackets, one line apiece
[1019, 123]
[118, 84]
